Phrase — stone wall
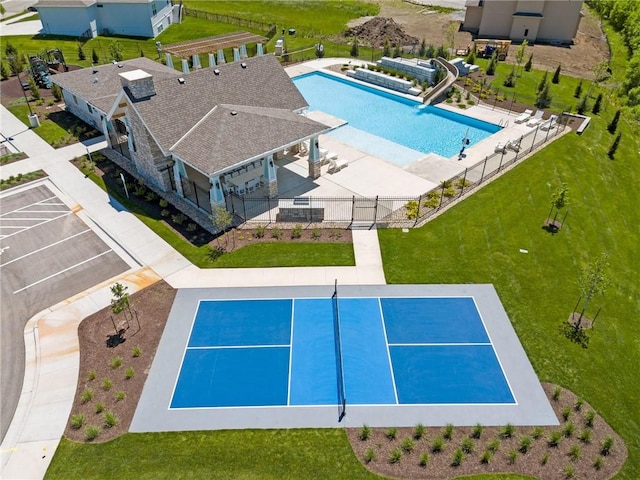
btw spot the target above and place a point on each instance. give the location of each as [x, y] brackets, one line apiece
[148, 157]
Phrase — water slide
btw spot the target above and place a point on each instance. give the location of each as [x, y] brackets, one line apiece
[445, 83]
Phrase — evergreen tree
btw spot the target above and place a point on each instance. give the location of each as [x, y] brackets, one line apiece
[578, 91]
[142, 53]
[596, 106]
[35, 91]
[556, 76]
[471, 58]
[94, 56]
[56, 91]
[397, 52]
[491, 69]
[614, 146]
[10, 50]
[386, 50]
[614, 123]
[510, 81]
[542, 83]
[354, 47]
[81, 55]
[423, 48]
[4, 73]
[431, 51]
[442, 52]
[543, 100]
[583, 104]
[529, 64]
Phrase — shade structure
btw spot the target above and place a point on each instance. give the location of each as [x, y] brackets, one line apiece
[169, 60]
[185, 65]
[212, 60]
[220, 56]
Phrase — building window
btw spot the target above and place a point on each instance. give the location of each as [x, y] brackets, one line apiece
[89, 108]
[160, 28]
[75, 99]
[154, 10]
[526, 32]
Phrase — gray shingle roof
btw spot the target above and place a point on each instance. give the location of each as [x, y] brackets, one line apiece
[103, 92]
[234, 133]
[176, 107]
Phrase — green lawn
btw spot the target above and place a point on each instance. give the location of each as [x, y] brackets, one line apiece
[289, 255]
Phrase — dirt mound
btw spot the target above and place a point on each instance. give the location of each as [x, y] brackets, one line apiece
[378, 30]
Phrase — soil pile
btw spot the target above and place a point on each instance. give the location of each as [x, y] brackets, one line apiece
[378, 30]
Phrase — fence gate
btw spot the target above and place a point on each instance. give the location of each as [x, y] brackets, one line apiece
[363, 212]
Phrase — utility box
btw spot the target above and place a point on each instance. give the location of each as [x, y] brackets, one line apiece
[280, 46]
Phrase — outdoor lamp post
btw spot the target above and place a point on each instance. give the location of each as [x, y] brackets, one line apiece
[24, 92]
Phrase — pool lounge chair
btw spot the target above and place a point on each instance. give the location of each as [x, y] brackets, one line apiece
[536, 119]
[524, 116]
[549, 124]
[335, 165]
[501, 147]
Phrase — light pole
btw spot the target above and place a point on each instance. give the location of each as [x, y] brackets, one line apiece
[24, 92]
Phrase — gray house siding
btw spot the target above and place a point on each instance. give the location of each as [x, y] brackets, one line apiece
[83, 110]
[135, 19]
[71, 21]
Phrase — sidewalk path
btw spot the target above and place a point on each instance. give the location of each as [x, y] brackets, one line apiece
[52, 351]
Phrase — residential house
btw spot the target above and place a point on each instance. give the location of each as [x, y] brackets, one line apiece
[204, 135]
[90, 18]
[544, 21]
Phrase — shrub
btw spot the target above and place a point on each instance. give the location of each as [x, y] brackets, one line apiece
[107, 384]
[296, 231]
[568, 429]
[365, 432]
[493, 445]
[276, 233]
[115, 362]
[554, 438]
[128, 373]
[151, 196]
[467, 445]
[136, 351]
[605, 446]
[556, 76]
[86, 396]
[449, 192]
[77, 420]
[424, 459]
[575, 452]
[566, 413]
[585, 436]
[391, 433]
[418, 431]
[165, 213]
[462, 182]
[120, 395]
[99, 408]
[411, 209]
[407, 445]
[369, 455]
[260, 231]
[598, 463]
[457, 457]
[395, 456]
[589, 417]
[163, 203]
[139, 190]
[91, 375]
[179, 218]
[545, 459]
[437, 444]
[556, 393]
[569, 471]
[476, 431]
[486, 457]
[316, 233]
[507, 431]
[536, 433]
[447, 431]
[191, 227]
[110, 420]
[525, 444]
[512, 456]
[91, 432]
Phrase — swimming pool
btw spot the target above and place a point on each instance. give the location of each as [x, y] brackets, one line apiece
[424, 129]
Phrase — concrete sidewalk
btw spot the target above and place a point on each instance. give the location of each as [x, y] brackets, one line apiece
[52, 350]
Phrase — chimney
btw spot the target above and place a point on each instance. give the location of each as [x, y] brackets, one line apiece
[138, 83]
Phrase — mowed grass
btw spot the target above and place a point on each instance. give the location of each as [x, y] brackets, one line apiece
[479, 241]
[224, 455]
[289, 255]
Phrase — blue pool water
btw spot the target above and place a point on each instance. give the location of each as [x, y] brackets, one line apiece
[406, 122]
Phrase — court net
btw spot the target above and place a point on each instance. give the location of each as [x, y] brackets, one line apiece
[342, 400]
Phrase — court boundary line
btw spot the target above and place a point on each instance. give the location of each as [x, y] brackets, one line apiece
[236, 347]
[495, 352]
[386, 341]
[470, 344]
[293, 311]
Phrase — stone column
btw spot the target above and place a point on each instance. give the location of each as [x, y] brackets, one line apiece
[176, 177]
[314, 158]
[216, 196]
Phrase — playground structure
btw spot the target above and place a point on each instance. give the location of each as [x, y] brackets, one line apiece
[486, 48]
[42, 70]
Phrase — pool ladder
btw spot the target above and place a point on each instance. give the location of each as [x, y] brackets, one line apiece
[504, 122]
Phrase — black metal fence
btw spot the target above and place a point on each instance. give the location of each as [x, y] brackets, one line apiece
[229, 19]
[388, 211]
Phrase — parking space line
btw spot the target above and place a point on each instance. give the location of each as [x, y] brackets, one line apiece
[32, 204]
[38, 224]
[44, 248]
[28, 218]
[62, 271]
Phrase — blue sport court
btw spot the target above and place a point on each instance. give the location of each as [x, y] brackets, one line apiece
[269, 352]
[384, 355]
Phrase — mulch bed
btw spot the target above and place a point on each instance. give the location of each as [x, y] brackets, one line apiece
[152, 305]
[546, 462]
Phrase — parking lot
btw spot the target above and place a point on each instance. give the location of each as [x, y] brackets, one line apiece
[47, 254]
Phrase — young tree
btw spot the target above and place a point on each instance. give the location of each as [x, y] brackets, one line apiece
[614, 146]
[596, 106]
[543, 100]
[81, 54]
[423, 48]
[559, 200]
[452, 29]
[4, 73]
[520, 52]
[222, 220]
[2, 9]
[542, 82]
[94, 56]
[115, 49]
[10, 50]
[471, 58]
[397, 51]
[442, 52]
[386, 50]
[578, 90]
[529, 64]
[119, 302]
[35, 91]
[556, 76]
[354, 47]
[56, 91]
[510, 81]
[593, 282]
[614, 123]
[583, 104]
[491, 68]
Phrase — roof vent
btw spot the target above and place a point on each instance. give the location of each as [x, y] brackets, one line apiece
[216, 71]
[120, 65]
[181, 80]
[243, 65]
[95, 70]
[234, 113]
[95, 79]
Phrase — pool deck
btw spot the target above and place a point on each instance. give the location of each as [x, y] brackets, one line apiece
[154, 415]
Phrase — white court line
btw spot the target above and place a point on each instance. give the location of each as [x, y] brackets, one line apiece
[41, 223]
[440, 344]
[48, 246]
[235, 347]
[29, 219]
[386, 341]
[12, 226]
[62, 271]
